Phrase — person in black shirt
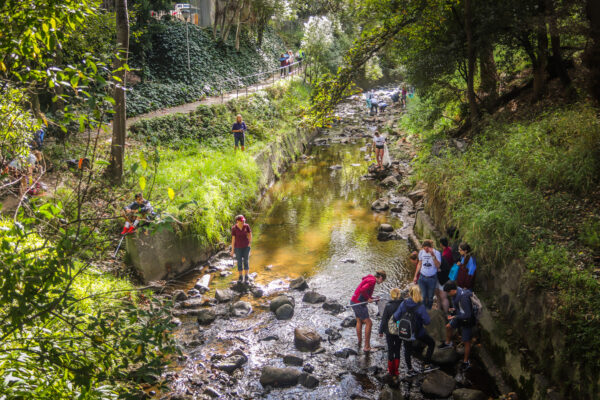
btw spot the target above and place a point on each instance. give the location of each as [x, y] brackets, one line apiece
[140, 209]
[239, 132]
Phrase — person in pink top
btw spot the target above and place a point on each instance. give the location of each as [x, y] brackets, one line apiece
[363, 295]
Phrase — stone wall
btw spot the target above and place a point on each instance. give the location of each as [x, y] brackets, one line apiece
[168, 253]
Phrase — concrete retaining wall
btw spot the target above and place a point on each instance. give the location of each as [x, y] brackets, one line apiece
[167, 253]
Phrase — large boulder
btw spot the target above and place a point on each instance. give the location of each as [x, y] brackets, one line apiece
[298, 284]
[224, 295]
[333, 307]
[438, 384]
[386, 228]
[345, 353]
[241, 309]
[387, 393]
[313, 297]
[279, 377]
[281, 300]
[468, 394]
[306, 339]
[380, 205]
[206, 316]
[437, 327]
[284, 312]
[390, 181]
[232, 362]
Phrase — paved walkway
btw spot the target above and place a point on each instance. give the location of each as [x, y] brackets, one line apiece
[189, 107]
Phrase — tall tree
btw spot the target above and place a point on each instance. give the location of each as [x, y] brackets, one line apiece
[471, 58]
[117, 150]
[592, 54]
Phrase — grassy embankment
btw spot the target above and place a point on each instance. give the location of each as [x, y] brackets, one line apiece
[526, 188]
[210, 181]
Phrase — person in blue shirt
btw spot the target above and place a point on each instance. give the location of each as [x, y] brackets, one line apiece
[414, 302]
[462, 319]
[239, 132]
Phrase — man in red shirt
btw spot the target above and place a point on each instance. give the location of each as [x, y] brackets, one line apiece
[241, 238]
[362, 295]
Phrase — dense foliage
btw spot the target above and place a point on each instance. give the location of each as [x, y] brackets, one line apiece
[214, 66]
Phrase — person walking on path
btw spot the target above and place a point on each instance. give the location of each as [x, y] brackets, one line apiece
[290, 60]
[239, 132]
[282, 65]
[394, 342]
[241, 239]
[430, 261]
[362, 295]
[466, 267]
[379, 147]
[413, 304]
[403, 96]
[463, 319]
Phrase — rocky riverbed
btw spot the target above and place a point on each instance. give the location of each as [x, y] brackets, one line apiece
[288, 334]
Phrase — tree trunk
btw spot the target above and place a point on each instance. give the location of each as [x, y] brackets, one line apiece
[238, 26]
[541, 62]
[234, 17]
[216, 21]
[592, 53]
[473, 111]
[489, 74]
[117, 150]
[557, 62]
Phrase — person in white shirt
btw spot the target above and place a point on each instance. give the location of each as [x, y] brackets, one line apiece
[379, 147]
[430, 261]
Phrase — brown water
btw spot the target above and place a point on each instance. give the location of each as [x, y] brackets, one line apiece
[315, 218]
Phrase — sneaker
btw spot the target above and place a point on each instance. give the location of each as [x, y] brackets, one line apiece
[246, 279]
[241, 279]
[465, 365]
[445, 345]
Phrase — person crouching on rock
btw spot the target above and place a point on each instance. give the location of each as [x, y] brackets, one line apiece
[241, 238]
[414, 305]
[137, 211]
[363, 295]
[394, 342]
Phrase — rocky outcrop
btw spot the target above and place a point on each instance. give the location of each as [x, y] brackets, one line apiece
[438, 383]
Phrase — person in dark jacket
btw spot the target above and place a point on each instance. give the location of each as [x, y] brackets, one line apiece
[442, 274]
[139, 210]
[414, 302]
[466, 267]
[363, 295]
[394, 342]
[463, 319]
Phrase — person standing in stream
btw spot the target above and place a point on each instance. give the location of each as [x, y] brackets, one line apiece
[379, 147]
[241, 239]
[430, 261]
[363, 295]
[239, 132]
[394, 342]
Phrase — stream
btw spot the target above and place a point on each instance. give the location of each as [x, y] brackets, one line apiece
[316, 222]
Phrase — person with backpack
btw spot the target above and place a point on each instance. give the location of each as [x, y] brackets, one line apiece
[412, 316]
[442, 274]
[466, 267]
[394, 342]
[363, 295]
[430, 261]
[463, 319]
[282, 65]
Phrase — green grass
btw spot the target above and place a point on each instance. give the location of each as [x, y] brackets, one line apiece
[512, 195]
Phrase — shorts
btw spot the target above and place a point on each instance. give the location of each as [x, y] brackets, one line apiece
[466, 329]
[239, 138]
[379, 147]
[361, 311]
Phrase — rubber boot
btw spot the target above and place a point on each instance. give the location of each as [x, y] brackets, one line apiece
[396, 366]
[391, 367]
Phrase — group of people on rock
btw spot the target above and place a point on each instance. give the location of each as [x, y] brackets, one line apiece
[286, 61]
[449, 275]
[375, 105]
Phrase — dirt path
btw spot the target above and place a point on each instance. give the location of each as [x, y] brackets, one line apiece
[189, 107]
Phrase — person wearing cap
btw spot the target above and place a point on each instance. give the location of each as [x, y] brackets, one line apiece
[241, 238]
[239, 132]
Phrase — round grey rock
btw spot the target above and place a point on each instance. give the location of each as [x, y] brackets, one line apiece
[306, 339]
[298, 284]
[281, 300]
[313, 297]
[333, 307]
[279, 377]
[206, 316]
[438, 384]
[284, 312]
[241, 309]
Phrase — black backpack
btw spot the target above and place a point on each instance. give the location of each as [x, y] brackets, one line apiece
[407, 324]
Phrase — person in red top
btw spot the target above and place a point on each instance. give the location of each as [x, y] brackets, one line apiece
[362, 295]
[241, 238]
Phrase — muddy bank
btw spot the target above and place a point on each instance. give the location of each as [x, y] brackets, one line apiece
[324, 225]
